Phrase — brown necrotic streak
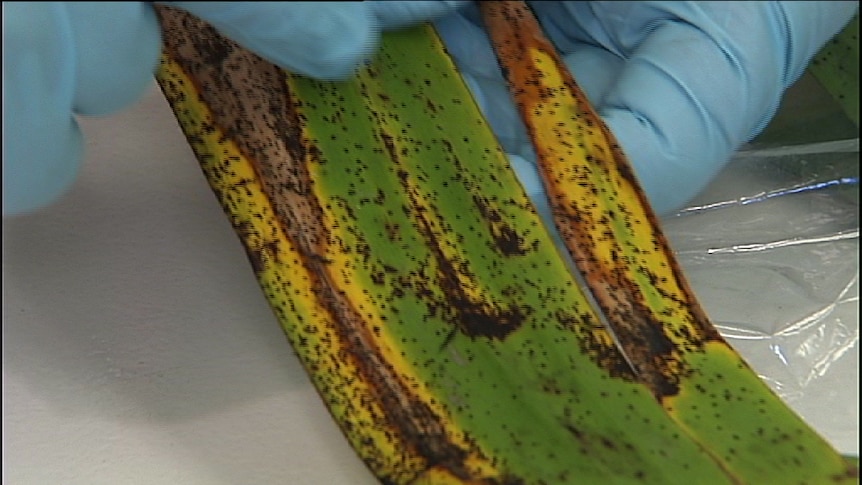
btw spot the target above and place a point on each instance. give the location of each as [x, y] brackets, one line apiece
[249, 98]
[507, 240]
[252, 104]
[656, 357]
[472, 316]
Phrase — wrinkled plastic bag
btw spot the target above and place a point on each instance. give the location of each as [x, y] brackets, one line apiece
[771, 250]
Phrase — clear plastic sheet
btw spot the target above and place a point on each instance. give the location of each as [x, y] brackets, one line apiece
[771, 249]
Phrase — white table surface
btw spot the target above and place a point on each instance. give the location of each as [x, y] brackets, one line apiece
[138, 348]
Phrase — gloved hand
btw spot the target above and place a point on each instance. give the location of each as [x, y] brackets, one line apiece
[682, 85]
[67, 58]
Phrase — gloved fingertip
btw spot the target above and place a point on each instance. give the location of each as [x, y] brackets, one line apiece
[340, 62]
[398, 14]
[335, 51]
[669, 177]
[42, 145]
[117, 51]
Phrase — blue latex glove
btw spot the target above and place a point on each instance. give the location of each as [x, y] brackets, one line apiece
[682, 85]
[61, 59]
